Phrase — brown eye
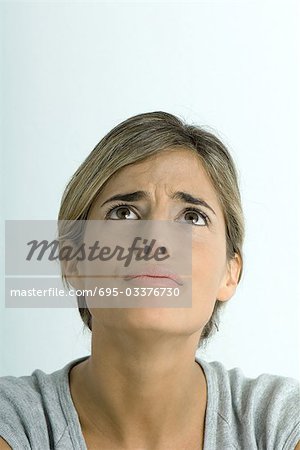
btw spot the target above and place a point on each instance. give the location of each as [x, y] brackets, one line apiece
[193, 216]
[120, 213]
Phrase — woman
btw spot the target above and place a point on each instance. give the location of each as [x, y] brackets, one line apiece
[142, 387]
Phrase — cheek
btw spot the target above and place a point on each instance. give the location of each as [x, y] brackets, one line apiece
[208, 263]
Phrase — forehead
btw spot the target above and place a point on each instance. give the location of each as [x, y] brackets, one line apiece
[174, 167]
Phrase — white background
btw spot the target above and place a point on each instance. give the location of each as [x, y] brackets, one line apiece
[73, 70]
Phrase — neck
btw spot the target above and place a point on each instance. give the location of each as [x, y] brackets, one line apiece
[142, 390]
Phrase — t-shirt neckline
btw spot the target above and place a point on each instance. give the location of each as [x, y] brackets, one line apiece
[73, 419]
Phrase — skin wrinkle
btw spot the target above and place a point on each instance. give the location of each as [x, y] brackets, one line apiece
[140, 195]
[141, 388]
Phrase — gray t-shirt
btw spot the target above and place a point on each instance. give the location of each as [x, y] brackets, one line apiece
[37, 412]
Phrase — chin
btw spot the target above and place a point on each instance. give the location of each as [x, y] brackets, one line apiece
[160, 319]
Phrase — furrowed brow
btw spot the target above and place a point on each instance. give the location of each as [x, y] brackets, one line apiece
[142, 195]
[188, 198]
[128, 197]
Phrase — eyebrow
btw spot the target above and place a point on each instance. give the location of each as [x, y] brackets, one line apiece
[142, 195]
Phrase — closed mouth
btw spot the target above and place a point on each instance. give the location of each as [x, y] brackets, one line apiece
[173, 277]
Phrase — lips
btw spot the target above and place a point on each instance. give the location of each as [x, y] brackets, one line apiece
[157, 273]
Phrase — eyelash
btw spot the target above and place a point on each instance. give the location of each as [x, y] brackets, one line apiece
[188, 209]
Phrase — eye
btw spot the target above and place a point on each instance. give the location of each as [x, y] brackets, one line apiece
[119, 212]
[193, 215]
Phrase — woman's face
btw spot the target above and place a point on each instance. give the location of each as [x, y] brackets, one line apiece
[172, 170]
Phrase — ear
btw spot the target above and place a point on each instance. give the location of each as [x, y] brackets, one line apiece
[70, 264]
[230, 279]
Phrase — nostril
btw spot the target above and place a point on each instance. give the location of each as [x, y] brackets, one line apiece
[162, 250]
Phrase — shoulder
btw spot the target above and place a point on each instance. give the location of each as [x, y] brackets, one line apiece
[25, 409]
[269, 405]
[269, 395]
[19, 399]
[18, 394]
[264, 392]
[264, 409]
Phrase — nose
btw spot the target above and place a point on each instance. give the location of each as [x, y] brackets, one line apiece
[156, 236]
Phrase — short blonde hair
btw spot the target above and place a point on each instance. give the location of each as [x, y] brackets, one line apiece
[134, 140]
